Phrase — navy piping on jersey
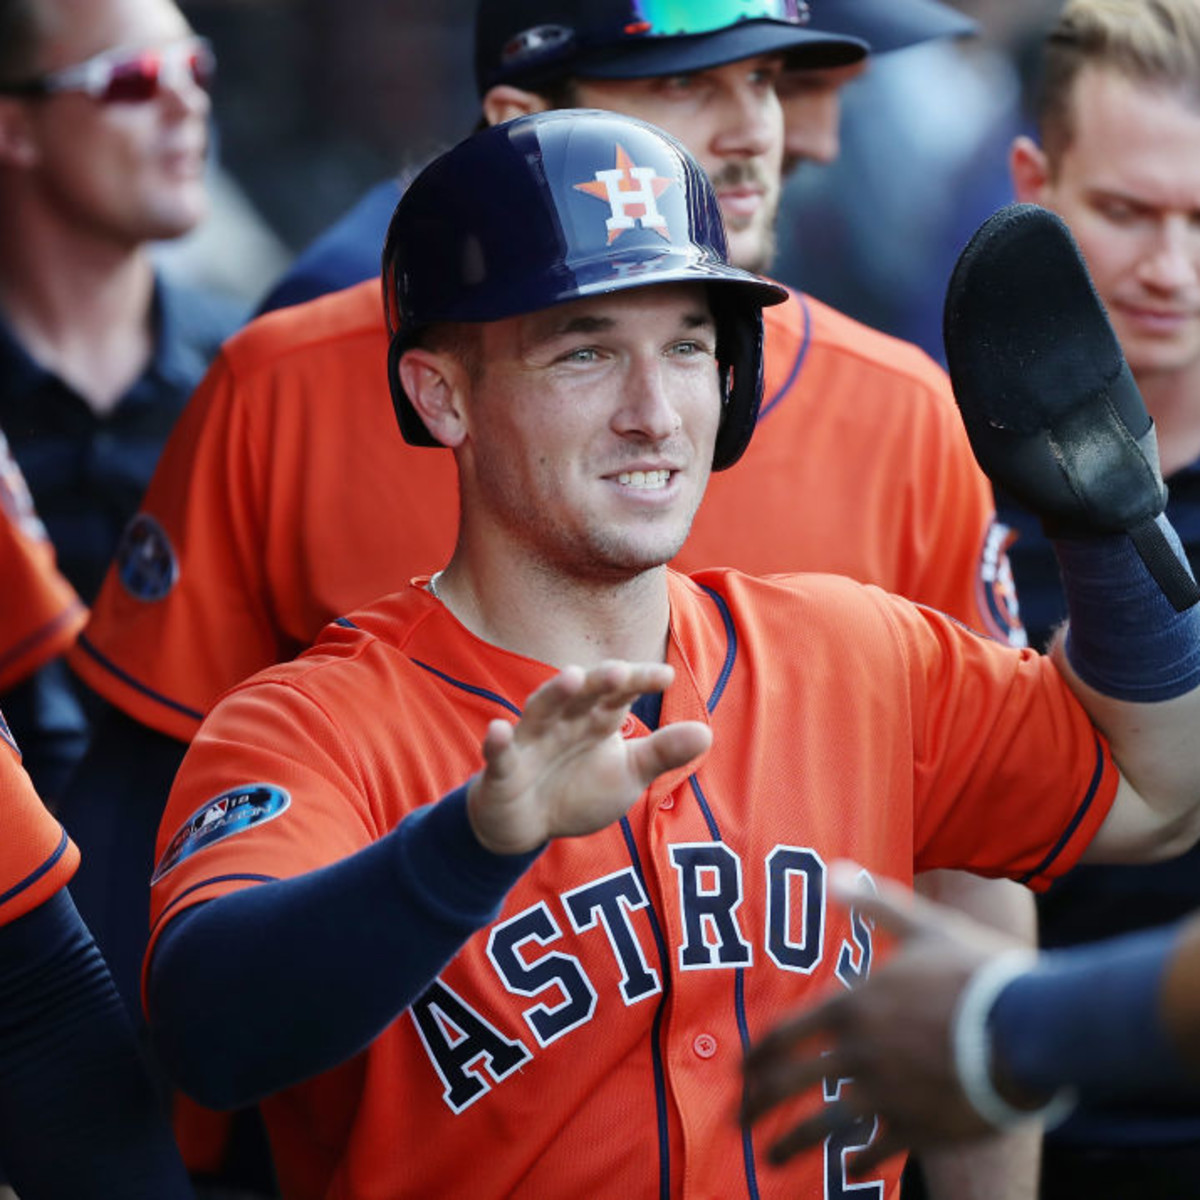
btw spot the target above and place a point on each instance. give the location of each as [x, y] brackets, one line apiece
[656, 1056]
[1080, 812]
[467, 687]
[35, 875]
[344, 622]
[136, 684]
[801, 355]
[730, 648]
[39, 635]
[739, 1004]
[205, 883]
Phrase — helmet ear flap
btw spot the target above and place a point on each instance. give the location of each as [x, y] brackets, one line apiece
[411, 426]
[739, 357]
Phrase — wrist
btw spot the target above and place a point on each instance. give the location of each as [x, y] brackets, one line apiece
[995, 1095]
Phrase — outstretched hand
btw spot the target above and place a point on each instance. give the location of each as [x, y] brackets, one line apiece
[891, 1034]
[564, 770]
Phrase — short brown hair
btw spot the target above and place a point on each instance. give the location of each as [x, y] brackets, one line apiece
[1150, 42]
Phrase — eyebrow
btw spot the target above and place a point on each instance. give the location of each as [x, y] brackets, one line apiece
[585, 323]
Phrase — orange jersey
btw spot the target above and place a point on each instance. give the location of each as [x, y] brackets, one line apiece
[40, 614]
[36, 856]
[287, 497]
[589, 1041]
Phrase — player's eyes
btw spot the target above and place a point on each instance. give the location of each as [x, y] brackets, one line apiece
[691, 348]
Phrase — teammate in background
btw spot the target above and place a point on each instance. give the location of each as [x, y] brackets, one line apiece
[962, 1032]
[250, 541]
[103, 132]
[39, 610]
[1119, 159]
[79, 1119]
[348, 251]
[583, 934]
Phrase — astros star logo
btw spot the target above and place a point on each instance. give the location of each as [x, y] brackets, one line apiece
[632, 194]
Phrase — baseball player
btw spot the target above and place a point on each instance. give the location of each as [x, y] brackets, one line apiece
[552, 966]
[249, 541]
[79, 1117]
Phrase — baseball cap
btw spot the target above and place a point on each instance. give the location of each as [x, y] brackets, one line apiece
[531, 43]
[890, 24]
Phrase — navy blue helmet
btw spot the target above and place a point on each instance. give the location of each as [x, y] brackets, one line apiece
[557, 206]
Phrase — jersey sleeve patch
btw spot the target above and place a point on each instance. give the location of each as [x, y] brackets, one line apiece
[997, 589]
[231, 812]
[146, 562]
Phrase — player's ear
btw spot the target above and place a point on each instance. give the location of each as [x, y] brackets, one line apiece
[504, 102]
[435, 384]
[1030, 170]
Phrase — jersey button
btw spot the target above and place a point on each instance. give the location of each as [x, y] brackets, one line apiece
[667, 802]
[705, 1045]
[628, 726]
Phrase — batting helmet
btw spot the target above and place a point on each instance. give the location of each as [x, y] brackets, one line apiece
[557, 206]
[532, 43]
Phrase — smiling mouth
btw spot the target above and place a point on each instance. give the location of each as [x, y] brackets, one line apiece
[650, 480]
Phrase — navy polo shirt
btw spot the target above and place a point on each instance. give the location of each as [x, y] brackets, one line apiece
[87, 472]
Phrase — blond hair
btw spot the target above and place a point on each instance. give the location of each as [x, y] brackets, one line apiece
[1155, 43]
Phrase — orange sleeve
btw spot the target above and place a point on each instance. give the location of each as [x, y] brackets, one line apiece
[267, 790]
[1012, 778]
[36, 856]
[183, 612]
[40, 614]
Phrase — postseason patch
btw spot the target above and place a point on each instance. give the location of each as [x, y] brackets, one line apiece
[231, 812]
[146, 562]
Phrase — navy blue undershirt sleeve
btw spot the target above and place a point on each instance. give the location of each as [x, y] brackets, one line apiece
[112, 809]
[260, 989]
[79, 1117]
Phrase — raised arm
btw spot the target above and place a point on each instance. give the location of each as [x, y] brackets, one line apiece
[1055, 418]
[392, 915]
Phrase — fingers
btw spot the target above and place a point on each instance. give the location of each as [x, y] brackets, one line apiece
[612, 684]
[893, 907]
[773, 1075]
[667, 748]
[886, 1145]
[831, 1119]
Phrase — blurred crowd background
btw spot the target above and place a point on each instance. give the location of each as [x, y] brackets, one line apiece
[318, 99]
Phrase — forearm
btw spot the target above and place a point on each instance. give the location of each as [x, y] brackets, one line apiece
[1007, 1166]
[1004, 1167]
[1108, 1020]
[79, 1118]
[1134, 663]
[341, 951]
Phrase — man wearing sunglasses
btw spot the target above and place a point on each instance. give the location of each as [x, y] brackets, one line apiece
[103, 137]
[861, 466]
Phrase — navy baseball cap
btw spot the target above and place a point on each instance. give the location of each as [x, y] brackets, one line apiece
[890, 24]
[531, 43]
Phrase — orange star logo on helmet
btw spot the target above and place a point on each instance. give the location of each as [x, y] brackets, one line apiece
[631, 193]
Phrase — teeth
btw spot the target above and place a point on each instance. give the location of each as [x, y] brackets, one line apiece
[644, 479]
